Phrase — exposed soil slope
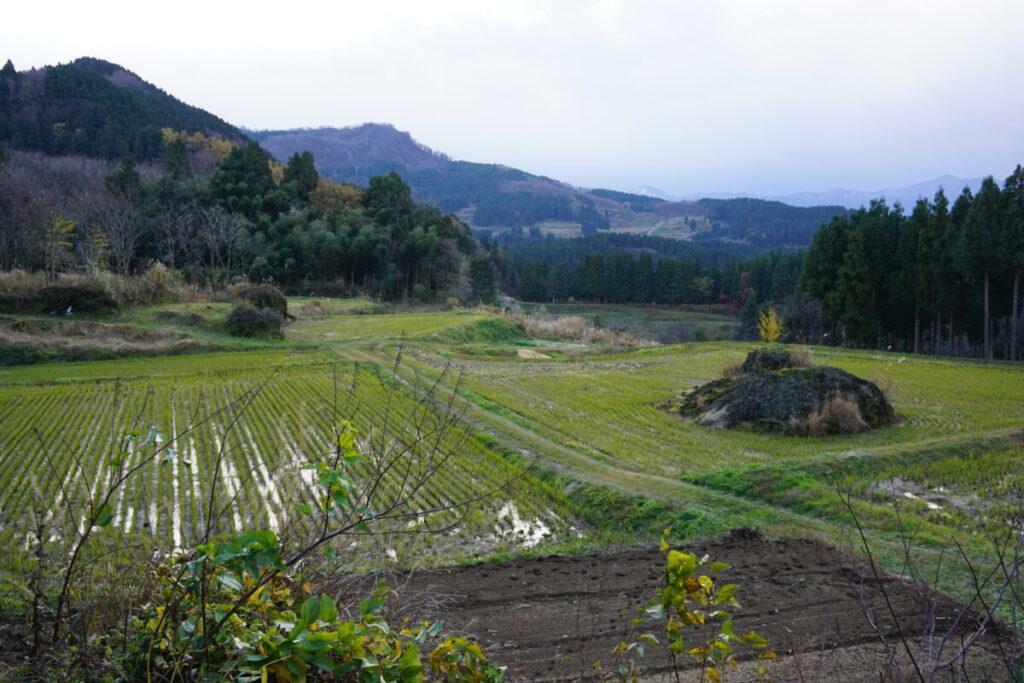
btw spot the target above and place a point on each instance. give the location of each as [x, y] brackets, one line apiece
[553, 617]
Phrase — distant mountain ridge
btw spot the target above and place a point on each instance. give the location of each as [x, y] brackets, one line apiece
[906, 195]
[483, 194]
[656, 192]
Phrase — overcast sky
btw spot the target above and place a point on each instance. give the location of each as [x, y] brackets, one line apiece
[760, 97]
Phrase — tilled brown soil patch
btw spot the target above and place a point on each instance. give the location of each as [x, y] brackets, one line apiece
[553, 617]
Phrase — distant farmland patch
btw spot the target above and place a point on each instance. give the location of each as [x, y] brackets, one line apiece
[660, 323]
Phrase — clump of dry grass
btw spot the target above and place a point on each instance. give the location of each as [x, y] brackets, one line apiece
[156, 285]
[21, 291]
[733, 370]
[314, 308]
[886, 385]
[576, 328]
[18, 280]
[838, 415]
[801, 357]
[489, 310]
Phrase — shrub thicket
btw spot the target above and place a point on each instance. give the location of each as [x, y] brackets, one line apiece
[246, 320]
[261, 296]
[23, 292]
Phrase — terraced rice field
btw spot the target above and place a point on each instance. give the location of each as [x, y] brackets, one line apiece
[610, 404]
[609, 464]
[599, 419]
[969, 490]
[47, 427]
[594, 418]
[390, 326]
[137, 369]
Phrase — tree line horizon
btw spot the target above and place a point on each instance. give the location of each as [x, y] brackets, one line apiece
[943, 279]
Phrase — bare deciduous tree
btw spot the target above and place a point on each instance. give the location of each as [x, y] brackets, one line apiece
[222, 236]
[939, 642]
[124, 229]
[178, 232]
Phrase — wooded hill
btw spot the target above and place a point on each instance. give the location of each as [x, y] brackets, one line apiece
[496, 196]
[101, 171]
[91, 107]
[95, 108]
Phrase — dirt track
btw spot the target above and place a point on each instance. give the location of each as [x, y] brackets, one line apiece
[552, 618]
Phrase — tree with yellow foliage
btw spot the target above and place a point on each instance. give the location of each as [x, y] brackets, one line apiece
[212, 144]
[56, 244]
[332, 196]
[769, 326]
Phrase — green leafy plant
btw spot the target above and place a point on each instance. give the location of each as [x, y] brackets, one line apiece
[217, 617]
[690, 600]
[459, 659]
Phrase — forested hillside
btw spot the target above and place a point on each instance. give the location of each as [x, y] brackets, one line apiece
[95, 108]
[499, 197]
[764, 223]
[244, 217]
[944, 279]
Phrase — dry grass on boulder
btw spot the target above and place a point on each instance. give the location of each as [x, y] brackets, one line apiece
[838, 415]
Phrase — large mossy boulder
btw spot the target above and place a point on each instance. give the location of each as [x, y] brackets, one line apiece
[814, 401]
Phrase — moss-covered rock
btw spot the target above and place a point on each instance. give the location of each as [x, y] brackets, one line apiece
[812, 401]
